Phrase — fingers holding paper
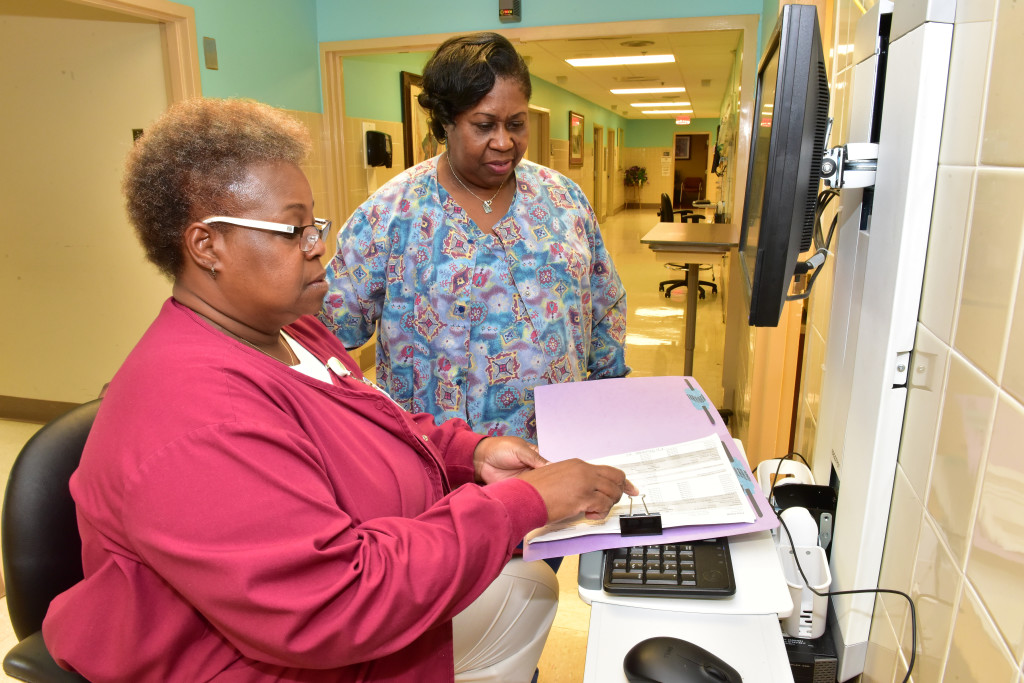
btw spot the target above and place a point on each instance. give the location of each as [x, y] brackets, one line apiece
[574, 487]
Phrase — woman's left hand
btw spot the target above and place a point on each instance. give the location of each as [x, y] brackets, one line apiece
[503, 457]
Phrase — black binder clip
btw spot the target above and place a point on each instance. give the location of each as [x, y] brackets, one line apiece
[645, 524]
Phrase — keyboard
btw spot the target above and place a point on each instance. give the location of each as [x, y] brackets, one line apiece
[697, 569]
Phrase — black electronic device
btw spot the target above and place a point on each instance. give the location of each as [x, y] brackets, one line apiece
[786, 148]
[378, 148]
[696, 569]
[812, 660]
[671, 660]
[510, 10]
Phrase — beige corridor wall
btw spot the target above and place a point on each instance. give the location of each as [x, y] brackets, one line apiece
[75, 290]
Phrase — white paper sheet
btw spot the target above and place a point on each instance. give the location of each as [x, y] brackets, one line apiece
[691, 483]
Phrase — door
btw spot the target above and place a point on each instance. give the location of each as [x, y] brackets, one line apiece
[85, 293]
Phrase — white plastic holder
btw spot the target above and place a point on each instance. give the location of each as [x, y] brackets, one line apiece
[809, 610]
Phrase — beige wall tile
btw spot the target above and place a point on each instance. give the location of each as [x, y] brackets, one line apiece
[1002, 144]
[990, 272]
[997, 545]
[965, 94]
[901, 538]
[1013, 367]
[967, 411]
[975, 10]
[880, 664]
[924, 401]
[935, 590]
[946, 250]
[976, 651]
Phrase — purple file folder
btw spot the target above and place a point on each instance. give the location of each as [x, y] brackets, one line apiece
[596, 418]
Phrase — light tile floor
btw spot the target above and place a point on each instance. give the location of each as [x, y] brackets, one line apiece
[654, 347]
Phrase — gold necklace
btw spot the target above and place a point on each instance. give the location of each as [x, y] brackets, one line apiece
[292, 358]
[486, 202]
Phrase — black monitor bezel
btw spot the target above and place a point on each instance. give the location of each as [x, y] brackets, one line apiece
[793, 169]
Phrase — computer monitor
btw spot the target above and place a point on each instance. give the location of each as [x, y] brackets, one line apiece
[787, 142]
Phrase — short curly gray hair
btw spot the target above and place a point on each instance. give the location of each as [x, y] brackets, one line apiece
[183, 166]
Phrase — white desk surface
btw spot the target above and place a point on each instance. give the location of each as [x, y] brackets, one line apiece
[760, 585]
[751, 644]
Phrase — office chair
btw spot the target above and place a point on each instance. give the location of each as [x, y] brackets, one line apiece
[667, 215]
[42, 551]
[691, 189]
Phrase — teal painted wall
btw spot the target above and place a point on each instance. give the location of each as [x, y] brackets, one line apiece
[267, 50]
[661, 132]
[373, 84]
[561, 102]
[351, 20]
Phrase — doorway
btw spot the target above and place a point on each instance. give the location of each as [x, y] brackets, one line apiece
[539, 148]
[690, 171]
[332, 78]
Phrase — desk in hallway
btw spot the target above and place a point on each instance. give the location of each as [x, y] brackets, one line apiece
[694, 244]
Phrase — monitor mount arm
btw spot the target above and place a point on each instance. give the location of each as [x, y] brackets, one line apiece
[852, 165]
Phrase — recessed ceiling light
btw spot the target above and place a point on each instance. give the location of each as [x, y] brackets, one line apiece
[643, 91]
[660, 104]
[622, 61]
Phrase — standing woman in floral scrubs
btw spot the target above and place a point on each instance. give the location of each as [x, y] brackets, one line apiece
[483, 274]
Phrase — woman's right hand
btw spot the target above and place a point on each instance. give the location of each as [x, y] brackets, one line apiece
[573, 487]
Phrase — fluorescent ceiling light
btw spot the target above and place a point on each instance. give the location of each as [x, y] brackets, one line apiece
[622, 61]
[644, 91]
[667, 111]
[660, 104]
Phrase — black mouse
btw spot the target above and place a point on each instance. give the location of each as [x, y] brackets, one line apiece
[670, 660]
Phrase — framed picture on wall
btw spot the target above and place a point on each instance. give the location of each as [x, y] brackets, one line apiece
[683, 147]
[575, 139]
[420, 144]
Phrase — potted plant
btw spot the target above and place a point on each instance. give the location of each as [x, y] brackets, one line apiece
[636, 175]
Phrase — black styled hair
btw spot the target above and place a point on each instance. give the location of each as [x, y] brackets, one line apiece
[462, 71]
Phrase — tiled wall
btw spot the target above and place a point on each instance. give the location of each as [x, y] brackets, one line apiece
[315, 165]
[955, 540]
[657, 182]
[362, 181]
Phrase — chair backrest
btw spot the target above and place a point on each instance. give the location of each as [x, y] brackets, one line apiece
[42, 551]
[665, 214]
[693, 184]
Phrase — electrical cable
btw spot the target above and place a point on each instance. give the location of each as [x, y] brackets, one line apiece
[821, 242]
[807, 583]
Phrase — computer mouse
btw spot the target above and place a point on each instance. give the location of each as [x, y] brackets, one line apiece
[671, 660]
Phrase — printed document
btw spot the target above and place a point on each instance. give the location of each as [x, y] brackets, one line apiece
[691, 483]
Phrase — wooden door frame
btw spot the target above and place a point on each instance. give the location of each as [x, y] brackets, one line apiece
[178, 30]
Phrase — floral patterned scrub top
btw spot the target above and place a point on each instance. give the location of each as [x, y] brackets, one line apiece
[469, 323]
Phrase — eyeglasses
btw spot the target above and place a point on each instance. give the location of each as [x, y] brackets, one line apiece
[309, 233]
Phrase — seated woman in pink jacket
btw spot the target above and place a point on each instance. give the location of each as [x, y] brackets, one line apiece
[251, 509]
